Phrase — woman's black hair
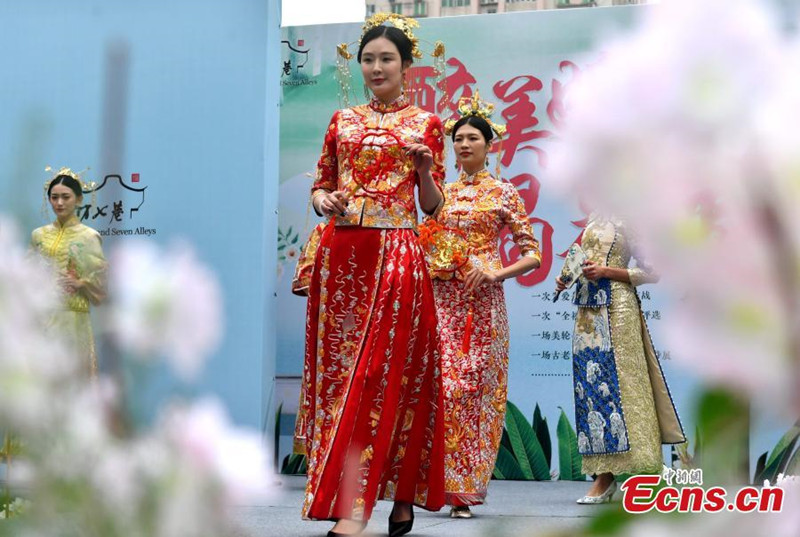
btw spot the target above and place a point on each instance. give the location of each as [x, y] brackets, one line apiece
[69, 182]
[477, 122]
[396, 36]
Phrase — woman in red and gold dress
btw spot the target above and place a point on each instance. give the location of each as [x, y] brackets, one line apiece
[473, 322]
[373, 426]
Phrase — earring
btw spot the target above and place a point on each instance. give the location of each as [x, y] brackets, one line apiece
[487, 162]
[367, 95]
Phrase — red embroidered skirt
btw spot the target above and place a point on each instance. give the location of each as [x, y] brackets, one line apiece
[475, 386]
[371, 410]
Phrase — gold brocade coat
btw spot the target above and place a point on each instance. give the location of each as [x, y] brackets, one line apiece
[475, 351]
[626, 436]
[363, 155]
[76, 250]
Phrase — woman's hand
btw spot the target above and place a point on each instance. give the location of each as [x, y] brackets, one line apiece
[592, 271]
[70, 283]
[477, 277]
[422, 157]
[560, 285]
[331, 203]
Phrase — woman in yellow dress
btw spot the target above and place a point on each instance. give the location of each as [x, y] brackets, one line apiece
[76, 253]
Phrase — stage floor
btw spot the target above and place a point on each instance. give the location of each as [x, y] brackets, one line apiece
[515, 509]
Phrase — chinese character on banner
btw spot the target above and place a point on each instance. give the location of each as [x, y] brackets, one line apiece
[117, 212]
[101, 211]
[520, 117]
[421, 91]
[557, 108]
[83, 211]
[528, 187]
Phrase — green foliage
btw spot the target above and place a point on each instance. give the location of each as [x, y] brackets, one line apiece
[542, 434]
[723, 436]
[525, 446]
[286, 239]
[507, 466]
[782, 459]
[294, 464]
[277, 435]
[569, 460]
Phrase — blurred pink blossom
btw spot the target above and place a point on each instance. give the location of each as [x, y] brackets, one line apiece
[687, 130]
[209, 443]
[165, 303]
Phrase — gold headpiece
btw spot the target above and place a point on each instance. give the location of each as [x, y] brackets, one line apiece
[475, 106]
[401, 22]
[86, 186]
[405, 25]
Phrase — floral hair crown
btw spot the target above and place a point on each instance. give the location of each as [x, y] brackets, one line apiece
[401, 22]
[405, 25]
[86, 186]
[475, 106]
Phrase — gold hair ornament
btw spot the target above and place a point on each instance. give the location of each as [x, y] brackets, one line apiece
[405, 25]
[87, 187]
[475, 106]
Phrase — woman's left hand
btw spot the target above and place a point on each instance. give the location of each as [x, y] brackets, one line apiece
[477, 277]
[422, 157]
[592, 271]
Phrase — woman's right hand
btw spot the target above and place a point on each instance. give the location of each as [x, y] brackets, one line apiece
[560, 286]
[331, 203]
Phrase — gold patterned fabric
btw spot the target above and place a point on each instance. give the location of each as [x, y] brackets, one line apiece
[370, 417]
[75, 249]
[363, 155]
[475, 369]
[481, 206]
[650, 415]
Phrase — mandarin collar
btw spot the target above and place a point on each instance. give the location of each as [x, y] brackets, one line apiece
[386, 108]
[71, 221]
[475, 178]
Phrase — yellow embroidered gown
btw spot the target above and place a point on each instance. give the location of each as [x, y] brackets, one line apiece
[75, 249]
[476, 381]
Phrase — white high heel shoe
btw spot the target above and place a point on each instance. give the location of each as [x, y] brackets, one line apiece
[605, 497]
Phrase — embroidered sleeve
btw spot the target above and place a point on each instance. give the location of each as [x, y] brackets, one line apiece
[516, 218]
[328, 165]
[36, 240]
[93, 268]
[434, 138]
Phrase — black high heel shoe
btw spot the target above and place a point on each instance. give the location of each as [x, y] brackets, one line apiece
[396, 529]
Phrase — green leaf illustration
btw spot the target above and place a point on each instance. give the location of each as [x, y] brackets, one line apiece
[542, 432]
[569, 460]
[507, 466]
[526, 447]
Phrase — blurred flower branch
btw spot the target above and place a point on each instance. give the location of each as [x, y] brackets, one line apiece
[687, 129]
[88, 466]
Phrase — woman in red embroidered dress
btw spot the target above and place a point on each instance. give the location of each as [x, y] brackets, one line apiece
[473, 322]
[373, 426]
